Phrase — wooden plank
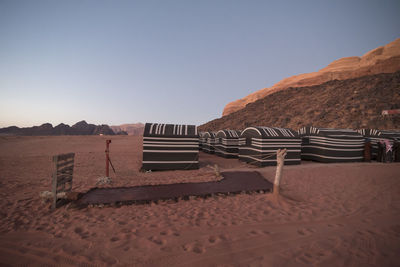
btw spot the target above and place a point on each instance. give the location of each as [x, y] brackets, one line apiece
[64, 189]
[68, 187]
[64, 156]
[65, 174]
[64, 180]
[62, 175]
[63, 163]
[66, 170]
[61, 178]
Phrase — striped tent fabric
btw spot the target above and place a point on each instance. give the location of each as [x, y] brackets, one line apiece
[170, 147]
[375, 136]
[331, 145]
[258, 145]
[209, 142]
[227, 143]
[201, 140]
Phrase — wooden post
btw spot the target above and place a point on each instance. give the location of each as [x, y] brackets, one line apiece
[280, 160]
[107, 158]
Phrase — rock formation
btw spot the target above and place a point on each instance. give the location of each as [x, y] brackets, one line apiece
[353, 103]
[80, 128]
[131, 129]
[384, 59]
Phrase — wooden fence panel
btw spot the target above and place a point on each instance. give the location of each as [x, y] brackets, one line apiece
[62, 175]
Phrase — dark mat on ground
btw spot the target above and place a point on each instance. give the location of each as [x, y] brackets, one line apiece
[232, 182]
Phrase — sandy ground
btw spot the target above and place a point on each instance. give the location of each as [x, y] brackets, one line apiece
[330, 215]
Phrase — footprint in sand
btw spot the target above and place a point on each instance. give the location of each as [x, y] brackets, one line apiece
[58, 234]
[257, 232]
[214, 239]
[333, 225]
[114, 239]
[67, 225]
[157, 240]
[126, 230]
[167, 232]
[80, 231]
[224, 237]
[366, 220]
[305, 231]
[306, 258]
[194, 247]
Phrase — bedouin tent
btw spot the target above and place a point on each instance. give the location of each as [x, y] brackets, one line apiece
[331, 145]
[375, 136]
[208, 142]
[258, 145]
[170, 147]
[201, 140]
[227, 143]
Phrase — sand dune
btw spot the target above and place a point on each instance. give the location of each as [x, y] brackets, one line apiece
[331, 215]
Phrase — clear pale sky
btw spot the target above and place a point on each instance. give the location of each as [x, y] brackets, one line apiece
[117, 62]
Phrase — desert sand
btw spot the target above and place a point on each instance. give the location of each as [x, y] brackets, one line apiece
[328, 214]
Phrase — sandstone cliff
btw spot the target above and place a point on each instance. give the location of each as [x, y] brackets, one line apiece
[353, 103]
[384, 59]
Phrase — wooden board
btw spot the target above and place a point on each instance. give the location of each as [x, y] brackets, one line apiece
[62, 175]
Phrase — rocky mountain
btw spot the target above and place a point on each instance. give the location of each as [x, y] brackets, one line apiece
[384, 59]
[352, 103]
[80, 128]
[130, 129]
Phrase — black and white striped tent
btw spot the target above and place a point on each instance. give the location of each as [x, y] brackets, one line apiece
[208, 142]
[375, 136]
[258, 145]
[201, 140]
[170, 147]
[331, 145]
[227, 143]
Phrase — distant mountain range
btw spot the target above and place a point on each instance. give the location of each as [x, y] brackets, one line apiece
[130, 129]
[79, 128]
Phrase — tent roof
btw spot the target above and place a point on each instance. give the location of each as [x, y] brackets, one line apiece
[379, 133]
[170, 130]
[310, 130]
[269, 132]
[230, 134]
[208, 134]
